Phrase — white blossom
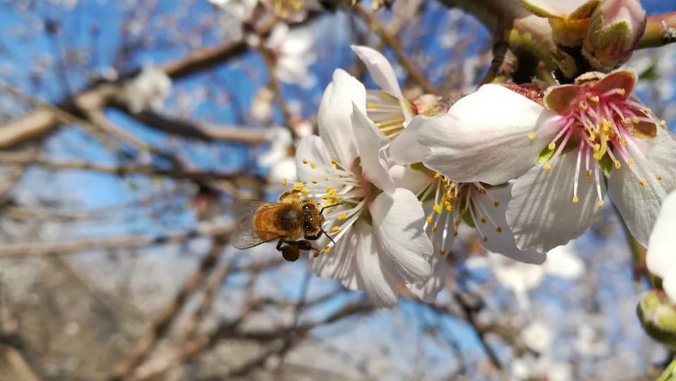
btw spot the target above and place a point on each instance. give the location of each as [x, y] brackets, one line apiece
[378, 241]
[294, 53]
[661, 255]
[147, 91]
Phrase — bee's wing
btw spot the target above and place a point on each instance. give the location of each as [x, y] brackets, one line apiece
[243, 211]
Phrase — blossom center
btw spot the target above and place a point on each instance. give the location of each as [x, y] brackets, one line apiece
[454, 202]
[604, 127]
[345, 192]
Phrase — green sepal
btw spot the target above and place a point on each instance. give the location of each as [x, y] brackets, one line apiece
[606, 164]
[546, 155]
[467, 217]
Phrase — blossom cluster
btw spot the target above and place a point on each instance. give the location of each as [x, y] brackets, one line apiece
[527, 167]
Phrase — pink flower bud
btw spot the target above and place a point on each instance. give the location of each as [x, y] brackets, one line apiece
[615, 29]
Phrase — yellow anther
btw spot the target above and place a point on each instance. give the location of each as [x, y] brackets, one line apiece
[326, 178]
[594, 99]
[429, 219]
[659, 177]
[646, 110]
[327, 248]
[575, 199]
[335, 229]
[437, 208]
[630, 161]
[313, 166]
[592, 137]
[597, 147]
[583, 105]
[622, 92]
[634, 120]
[342, 216]
[547, 167]
[551, 146]
[434, 229]
[531, 136]
[437, 175]
[600, 204]
[330, 191]
[305, 161]
[449, 208]
[643, 182]
[284, 182]
[589, 173]
[617, 164]
[329, 209]
[314, 181]
[298, 186]
[333, 161]
[305, 191]
[498, 229]
[663, 124]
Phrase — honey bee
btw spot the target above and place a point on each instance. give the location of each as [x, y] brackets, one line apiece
[291, 220]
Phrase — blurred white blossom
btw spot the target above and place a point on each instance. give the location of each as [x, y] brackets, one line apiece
[279, 158]
[261, 106]
[294, 53]
[147, 91]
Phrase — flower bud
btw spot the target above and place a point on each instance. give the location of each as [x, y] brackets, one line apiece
[615, 28]
[658, 317]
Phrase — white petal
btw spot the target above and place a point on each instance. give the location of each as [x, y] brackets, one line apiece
[284, 169]
[378, 283]
[500, 242]
[311, 149]
[408, 178]
[661, 256]
[399, 223]
[542, 214]
[640, 205]
[340, 262]
[335, 110]
[484, 137]
[669, 284]
[428, 290]
[380, 69]
[371, 145]
[405, 148]
[277, 36]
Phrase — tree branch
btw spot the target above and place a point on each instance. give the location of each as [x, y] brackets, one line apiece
[660, 30]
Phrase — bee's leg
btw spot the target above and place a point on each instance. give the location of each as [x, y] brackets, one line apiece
[307, 245]
[290, 194]
[314, 237]
[290, 252]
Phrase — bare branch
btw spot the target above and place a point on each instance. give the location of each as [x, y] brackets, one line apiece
[24, 249]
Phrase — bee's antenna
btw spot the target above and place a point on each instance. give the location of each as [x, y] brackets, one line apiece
[328, 236]
[329, 206]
